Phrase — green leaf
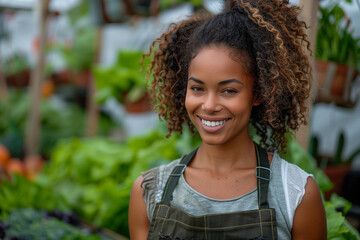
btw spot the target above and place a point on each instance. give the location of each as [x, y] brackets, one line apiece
[337, 226]
[340, 203]
[135, 94]
[335, 39]
[123, 77]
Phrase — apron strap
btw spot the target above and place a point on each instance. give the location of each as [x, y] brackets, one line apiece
[174, 178]
[263, 174]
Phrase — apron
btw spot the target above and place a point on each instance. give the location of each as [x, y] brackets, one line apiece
[172, 223]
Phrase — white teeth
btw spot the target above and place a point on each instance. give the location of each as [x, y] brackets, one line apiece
[212, 123]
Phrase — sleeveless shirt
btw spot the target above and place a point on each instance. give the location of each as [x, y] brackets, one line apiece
[286, 190]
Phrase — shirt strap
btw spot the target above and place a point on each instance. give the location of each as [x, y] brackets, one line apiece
[174, 177]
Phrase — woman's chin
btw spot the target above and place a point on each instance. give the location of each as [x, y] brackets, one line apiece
[212, 140]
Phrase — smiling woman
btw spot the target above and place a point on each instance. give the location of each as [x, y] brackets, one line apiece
[218, 74]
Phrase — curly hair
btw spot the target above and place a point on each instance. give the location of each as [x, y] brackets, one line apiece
[275, 40]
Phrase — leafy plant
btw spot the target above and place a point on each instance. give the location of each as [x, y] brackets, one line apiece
[169, 3]
[338, 157]
[22, 193]
[124, 80]
[58, 119]
[335, 39]
[28, 223]
[337, 226]
[95, 175]
[16, 63]
[29, 210]
[79, 55]
[103, 198]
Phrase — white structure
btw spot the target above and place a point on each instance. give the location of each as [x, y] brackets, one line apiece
[326, 122]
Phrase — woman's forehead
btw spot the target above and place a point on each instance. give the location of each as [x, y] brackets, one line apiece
[214, 54]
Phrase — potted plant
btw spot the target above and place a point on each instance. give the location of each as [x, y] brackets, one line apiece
[335, 166]
[337, 53]
[79, 55]
[17, 70]
[124, 81]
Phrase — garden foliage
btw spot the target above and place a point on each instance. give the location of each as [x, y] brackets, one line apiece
[94, 177]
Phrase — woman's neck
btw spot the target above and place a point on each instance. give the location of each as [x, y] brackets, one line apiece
[226, 157]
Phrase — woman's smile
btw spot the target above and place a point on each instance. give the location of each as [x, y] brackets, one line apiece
[213, 125]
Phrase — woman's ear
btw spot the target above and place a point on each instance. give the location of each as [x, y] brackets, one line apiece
[257, 101]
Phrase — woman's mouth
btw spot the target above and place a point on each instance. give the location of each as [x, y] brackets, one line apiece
[213, 126]
[213, 123]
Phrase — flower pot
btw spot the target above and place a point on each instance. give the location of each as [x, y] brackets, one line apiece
[336, 174]
[139, 106]
[334, 81]
[81, 79]
[62, 77]
[19, 80]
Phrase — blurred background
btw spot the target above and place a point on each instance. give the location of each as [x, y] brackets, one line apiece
[77, 126]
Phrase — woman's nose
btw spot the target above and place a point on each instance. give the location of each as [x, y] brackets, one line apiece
[211, 103]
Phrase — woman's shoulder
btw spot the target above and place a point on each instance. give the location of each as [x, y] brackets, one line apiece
[162, 169]
[288, 169]
[151, 176]
[291, 177]
[152, 182]
[288, 182]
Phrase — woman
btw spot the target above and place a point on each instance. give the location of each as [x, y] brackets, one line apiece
[218, 74]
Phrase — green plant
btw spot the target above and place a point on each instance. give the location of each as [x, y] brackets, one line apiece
[22, 193]
[98, 188]
[79, 55]
[58, 120]
[16, 63]
[335, 39]
[124, 80]
[164, 4]
[335, 159]
[337, 226]
[97, 193]
[28, 223]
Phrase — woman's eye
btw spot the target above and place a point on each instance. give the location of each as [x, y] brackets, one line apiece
[229, 91]
[196, 89]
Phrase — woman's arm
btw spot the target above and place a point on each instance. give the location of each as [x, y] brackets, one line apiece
[138, 220]
[309, 219]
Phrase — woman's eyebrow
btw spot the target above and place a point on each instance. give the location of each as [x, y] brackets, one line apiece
[224, 82]
[196, 80]
[231, 80]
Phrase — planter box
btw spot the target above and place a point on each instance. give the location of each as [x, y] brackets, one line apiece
[19, 80]
[334, 82]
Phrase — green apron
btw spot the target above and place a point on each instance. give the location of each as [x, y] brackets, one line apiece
[172, 223]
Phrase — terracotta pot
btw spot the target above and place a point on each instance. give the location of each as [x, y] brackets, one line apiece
[62, 77]
[336, 174]
[334, 80]
[81, 79]
[21, 79]
[142, 105]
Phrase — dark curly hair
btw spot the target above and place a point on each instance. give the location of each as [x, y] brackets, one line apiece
[275, 40]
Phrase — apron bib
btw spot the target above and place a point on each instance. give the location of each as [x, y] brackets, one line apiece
[172, 223]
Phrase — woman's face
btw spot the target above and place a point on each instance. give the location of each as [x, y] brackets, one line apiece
[219, 95]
